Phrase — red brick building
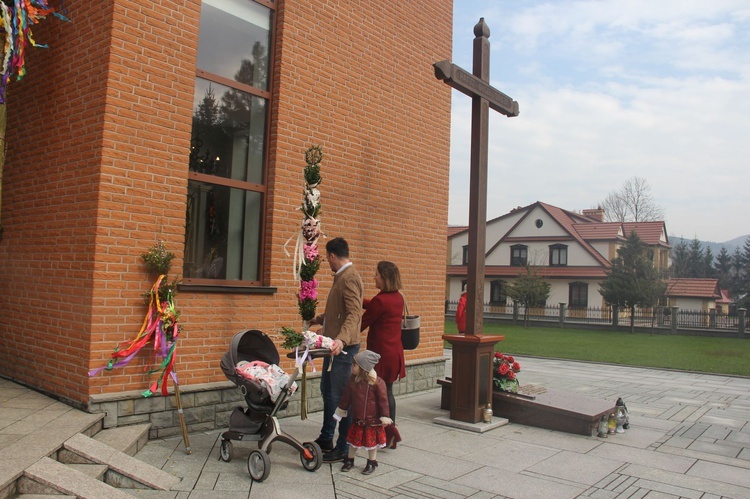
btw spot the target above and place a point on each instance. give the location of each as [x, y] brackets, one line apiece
[99, 168]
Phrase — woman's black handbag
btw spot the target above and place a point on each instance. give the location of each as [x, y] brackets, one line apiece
[409, 329]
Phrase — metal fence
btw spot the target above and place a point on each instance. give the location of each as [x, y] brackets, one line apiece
[660, 317]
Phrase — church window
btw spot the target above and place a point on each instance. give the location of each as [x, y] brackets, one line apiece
[227, 175]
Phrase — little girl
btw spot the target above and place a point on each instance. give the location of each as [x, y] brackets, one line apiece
[367, 399]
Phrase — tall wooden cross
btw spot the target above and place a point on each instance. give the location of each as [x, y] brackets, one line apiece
[472, 352]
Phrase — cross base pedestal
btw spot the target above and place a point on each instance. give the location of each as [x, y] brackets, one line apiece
[471, 376]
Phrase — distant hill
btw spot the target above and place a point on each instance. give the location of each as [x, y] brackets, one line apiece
[731, 245]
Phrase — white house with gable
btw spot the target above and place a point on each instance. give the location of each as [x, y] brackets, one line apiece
[571, 251]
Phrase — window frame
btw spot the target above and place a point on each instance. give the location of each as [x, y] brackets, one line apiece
[259, 284]
[503, 294]
[519, 261]
[559, 250]
[578, 286]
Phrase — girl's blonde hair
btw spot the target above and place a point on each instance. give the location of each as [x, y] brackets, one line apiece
[365, 376]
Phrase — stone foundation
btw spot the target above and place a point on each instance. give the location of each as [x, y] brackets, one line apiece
[208, 406]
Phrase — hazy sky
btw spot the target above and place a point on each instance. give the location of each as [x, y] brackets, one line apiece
[609, 90]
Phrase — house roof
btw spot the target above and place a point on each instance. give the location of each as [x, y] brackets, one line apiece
[693, 288]
[565, 219]
[599, 231]
[568, 220]
[649, 232]
[725, 298]
[455, 229]
[583, 229]
[545, 272]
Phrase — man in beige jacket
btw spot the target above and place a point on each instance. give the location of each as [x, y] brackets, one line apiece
[341, 321]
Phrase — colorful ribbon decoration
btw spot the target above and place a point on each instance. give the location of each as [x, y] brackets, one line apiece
[17, 18]
[160, 326]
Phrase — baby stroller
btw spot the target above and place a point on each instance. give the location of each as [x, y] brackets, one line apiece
[259, 422]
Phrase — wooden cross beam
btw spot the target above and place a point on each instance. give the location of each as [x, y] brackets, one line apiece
[468, 84]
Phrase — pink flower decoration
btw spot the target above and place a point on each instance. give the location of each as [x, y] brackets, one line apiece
[308, 290]
[311, 252]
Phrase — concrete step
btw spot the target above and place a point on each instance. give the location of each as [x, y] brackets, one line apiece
[47, 476]
[96, 471]
[46, 438]
[124, 471]
[127, 439]
[43, 496]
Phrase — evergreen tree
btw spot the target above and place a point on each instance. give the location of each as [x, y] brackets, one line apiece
[707, 267]
[632, 280]
[692, 260]
[743, 274]
[208, 137]
[680, 259]
[695, 259]
[723, 268]
[737, 273]
[530, 290]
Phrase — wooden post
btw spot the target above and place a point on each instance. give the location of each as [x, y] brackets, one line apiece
[182, 418]
[472, 352]
[741, 314]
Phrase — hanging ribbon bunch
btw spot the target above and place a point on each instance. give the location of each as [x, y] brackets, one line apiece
[160, 327]
[17, 17]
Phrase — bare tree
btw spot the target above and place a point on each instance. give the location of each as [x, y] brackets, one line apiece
[632, 203]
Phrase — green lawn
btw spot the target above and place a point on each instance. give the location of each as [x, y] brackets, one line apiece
[689, 353]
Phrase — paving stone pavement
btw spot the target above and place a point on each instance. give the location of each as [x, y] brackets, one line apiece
[689, 437]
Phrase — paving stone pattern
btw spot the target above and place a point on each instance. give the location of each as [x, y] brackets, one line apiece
[689, 437]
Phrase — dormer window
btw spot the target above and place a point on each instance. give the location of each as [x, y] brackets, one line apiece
[558, 255]
[518, 255]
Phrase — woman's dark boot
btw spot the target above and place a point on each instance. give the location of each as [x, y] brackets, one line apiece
[371, 465]
[348, 464]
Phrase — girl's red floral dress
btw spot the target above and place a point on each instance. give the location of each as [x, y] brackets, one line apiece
[367, 402]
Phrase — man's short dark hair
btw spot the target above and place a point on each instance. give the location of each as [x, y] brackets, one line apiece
[338, 246]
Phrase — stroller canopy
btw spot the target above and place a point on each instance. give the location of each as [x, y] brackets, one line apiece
[248, 345]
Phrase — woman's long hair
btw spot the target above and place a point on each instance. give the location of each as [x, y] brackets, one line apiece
[391, 276]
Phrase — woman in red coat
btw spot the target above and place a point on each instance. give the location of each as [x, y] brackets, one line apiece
[383, 314]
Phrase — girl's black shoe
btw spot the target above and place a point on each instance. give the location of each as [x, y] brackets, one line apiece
[371, 465]
[348, 464]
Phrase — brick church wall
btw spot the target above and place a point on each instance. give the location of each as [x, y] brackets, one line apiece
[99, 134]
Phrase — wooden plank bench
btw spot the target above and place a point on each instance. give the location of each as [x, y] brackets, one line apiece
[445, 393]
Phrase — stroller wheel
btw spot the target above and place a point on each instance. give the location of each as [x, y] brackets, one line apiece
[225, 451]
[258, 465]
[311, 456]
